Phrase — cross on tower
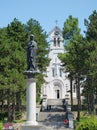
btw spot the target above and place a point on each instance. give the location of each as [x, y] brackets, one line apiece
[56, 22]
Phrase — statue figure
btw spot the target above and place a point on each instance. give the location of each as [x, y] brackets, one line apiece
[31, 54]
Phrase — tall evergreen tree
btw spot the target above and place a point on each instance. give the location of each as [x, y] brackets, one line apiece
[91, 61]
[74, 58]
[13, 63]
[70, 28]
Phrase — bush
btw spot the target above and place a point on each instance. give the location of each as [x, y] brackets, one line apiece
[18, 115]
[1, 126]
[3, 115]
[89, 123]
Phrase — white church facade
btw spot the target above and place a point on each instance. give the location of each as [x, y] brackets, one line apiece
[57, 85]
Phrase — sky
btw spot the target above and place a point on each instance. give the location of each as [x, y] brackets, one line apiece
[46, 12]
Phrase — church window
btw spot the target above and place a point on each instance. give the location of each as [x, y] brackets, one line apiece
[57, 93]
[74, 88]
[53, 72]
[54, 41]
[58, 41]
[60, 72]
[66, 87]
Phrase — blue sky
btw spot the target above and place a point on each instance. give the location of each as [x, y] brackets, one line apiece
[46, 11]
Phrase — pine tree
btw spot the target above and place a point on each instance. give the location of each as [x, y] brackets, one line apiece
[74, 58]
[91, 61]
[13, 64]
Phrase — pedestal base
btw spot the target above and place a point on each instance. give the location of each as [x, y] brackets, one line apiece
[32, 127]
[30, 123]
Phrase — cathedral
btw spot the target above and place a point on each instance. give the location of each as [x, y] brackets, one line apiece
[57, 84]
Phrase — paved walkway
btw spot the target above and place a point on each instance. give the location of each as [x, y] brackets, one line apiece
[54, 126]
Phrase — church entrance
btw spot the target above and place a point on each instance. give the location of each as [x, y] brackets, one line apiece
[57, 89]
[58, 94]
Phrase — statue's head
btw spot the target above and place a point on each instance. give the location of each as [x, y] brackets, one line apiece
[31, 36]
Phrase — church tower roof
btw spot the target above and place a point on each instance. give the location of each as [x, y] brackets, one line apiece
[56, 30]
[56, 39]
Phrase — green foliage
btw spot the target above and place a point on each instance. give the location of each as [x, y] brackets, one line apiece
[89, 123]
[38, 84]
[81, 54]
[91, 25]
[74, 57]
[18, 115]
[3, 115]
[1, 126]
[17, 32]
[90, 86]
[13, 41]
[91, 37]
[70, 28]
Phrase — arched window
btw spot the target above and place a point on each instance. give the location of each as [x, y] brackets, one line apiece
[54, 41]
[53, 72]
[74, 88]
[58, 41]
[60, 72]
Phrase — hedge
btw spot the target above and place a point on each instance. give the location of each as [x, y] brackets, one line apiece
[89, 123]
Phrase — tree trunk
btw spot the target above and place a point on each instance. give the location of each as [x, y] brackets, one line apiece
[2, 101]
[71, 92]
[18, 102]
[13, 111]
[78, 99]
[8, 104]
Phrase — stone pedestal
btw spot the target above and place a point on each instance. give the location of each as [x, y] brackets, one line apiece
[36, 127]
[31, 123]
[31, 102]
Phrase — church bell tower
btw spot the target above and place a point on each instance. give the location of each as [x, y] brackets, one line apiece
[56, 85]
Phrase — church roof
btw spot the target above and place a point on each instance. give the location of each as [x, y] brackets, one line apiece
[55, 29]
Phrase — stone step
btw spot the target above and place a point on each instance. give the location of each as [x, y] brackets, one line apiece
[55, 102]
[51, 116]
[53, 126]
[55, 108]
